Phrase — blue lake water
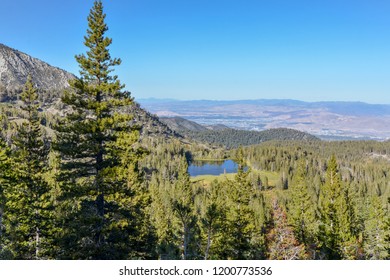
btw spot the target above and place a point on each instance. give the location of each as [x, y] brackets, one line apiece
[212, 167]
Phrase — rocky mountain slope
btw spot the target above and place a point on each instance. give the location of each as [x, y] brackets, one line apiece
[15, 66]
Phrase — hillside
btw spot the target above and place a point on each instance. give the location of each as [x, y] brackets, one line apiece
[150, 124]
[231, 138]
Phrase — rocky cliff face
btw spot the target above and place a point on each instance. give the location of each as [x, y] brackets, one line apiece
[15, 66]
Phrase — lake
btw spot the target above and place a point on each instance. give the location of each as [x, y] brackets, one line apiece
[212, 167]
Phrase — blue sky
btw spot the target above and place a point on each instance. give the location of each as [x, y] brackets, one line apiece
[214, 49]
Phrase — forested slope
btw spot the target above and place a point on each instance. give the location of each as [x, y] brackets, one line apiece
[233, 138]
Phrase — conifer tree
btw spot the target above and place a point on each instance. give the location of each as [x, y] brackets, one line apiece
[162, 217]
[338, 220]
[350, 228]
[212, 218]
[28, 207]
[5, 173]
[183, 207]
[240, 216]
[302, 212]
[329, 228]
[95, 192]
[376, 231]
[330, 194]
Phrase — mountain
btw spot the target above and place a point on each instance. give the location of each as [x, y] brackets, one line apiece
[327, 120]
[15, 66]
[216, 127]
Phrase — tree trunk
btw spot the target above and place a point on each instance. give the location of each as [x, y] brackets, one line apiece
[185, 241]
[206, 256]
[37, 243]
[1, 221]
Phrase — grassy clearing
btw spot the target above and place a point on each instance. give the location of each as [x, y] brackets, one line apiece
[207, 179]
[211, 159]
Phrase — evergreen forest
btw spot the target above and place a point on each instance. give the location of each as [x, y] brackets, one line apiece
[96, 182]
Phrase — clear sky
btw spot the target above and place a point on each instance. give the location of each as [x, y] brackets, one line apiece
[311, 50]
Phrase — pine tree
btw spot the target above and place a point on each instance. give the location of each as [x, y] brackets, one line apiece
[96, 195]
[350, 228]
[28, 207]
[240, 216]
[162, 217]
[302, 212]
[183, 207]
[376, 231]
[212, 217]
[5, 177]
[338, 229]
[329, 228]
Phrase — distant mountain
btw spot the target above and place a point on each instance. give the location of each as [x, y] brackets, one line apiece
[15, 66]
[181, 125]
[327, 120]
[216, 127]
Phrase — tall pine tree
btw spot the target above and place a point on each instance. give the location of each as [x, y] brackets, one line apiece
[302, 212]
[240, 216]
[212, 216]
[5, 173]
[183, 208]
[28, 204]
[376, 231]
[338, 229]
[96, 194]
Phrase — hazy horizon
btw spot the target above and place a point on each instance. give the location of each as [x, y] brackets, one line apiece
[256, 99]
